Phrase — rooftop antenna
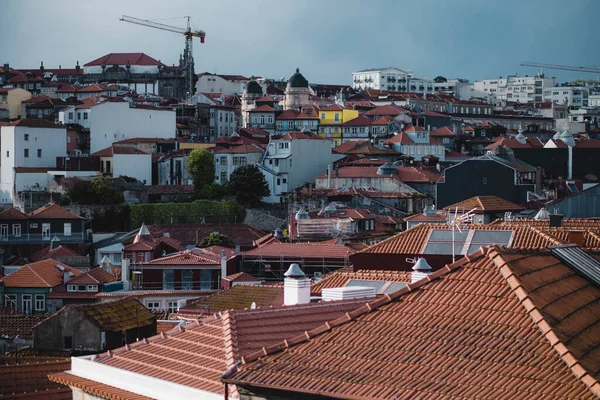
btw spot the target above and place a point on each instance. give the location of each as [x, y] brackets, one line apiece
[456, 223]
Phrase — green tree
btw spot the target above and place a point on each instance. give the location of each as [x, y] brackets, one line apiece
[213, 191]
[248, 185]
[201, 164]
[104, 192]
[216, 239]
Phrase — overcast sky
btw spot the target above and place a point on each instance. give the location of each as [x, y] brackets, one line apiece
[326, 39]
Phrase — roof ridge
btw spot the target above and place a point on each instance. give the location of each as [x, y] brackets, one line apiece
[556, 241]
[366, 308]
[541, 322]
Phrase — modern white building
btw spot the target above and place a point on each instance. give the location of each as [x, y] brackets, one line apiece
[459, 88]
[217, 83]
[125, 161]
[29, 151]
[517, 89]
[594, 100]
[577, 96]
[79, 114]
[222, 121]
[293, 160]
[114, 120]
[394, 79]
[228, 159]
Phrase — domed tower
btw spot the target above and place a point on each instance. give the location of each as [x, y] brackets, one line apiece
[252, 92]
[297, 92]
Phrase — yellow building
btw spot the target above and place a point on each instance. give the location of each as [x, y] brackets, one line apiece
[11, 99]
[331, 119]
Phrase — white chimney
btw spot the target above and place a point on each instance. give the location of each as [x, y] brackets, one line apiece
[67, 276]
[420, 270]
[328, 176]
[223, 264]
[296, 287]
[105, 264]
[125, 273]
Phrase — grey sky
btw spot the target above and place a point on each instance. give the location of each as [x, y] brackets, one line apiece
[326, 39]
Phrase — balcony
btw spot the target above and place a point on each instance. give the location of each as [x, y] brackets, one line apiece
[37, 238]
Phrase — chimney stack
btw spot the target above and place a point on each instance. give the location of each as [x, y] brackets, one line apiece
[556, 220]
[54, 243]
[223, 266]
[105, 264]
[125, 263]
[296, 287]
[420, 270]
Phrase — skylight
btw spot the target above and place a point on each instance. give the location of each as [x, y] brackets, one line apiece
[465, 241]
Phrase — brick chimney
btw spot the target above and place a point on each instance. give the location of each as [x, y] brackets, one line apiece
[296, 287]
[576, 237]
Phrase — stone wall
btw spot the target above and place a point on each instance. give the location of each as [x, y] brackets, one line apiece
[262, 220]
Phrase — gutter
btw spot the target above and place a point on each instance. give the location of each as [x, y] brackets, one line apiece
[226, 375]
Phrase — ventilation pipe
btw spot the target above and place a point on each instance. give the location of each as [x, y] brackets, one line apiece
[420, 270]
[223, 265]
[296, 287]
[125, 263]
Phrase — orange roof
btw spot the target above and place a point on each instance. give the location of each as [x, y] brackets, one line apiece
[53, 211]
[40, 274]
[12, 214]
[93, 88]
[60, 251]
[516, 324]
[112, 150]
[118, 315]
[187, 257]
[241, 277]
[306, 250]
[444, 131]
[94, 276]
[385, 110]
[486, 204]
[30, 380]
[93, 387]
[263, 108]
[399, 138]
[111, 59]
[341, 277]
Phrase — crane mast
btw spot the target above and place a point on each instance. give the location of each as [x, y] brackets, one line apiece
[188, 52]
[561, 67]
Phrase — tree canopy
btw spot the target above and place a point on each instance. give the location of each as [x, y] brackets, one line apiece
[216, 239]
[248, 185]
[98, 191]
[201, 164]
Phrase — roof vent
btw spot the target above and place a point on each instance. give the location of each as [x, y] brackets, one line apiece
[387, 169]
[347, 292]
[294, 271]
[302, 214]
[542, 214]
[420, 270]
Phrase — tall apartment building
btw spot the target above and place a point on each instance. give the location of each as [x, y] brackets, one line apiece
[516, 89]
[394, 79]
[569, 95]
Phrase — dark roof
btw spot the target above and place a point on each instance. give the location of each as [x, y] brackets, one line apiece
[53, 211]
[238, 297]
[297, 80]
[118, 315]
[18, 324]
[111, 59]
[60, 251]
[28, 381]
[186, 233]
[253, 87]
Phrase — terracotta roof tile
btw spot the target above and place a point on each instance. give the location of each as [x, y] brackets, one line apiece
[264, 109]
[60, 251]
[238, 297]
[485, 203]
[241, 277]
[30, 381]
[342, 276]
[93, 387]
[166, 326]
[444, 131]
[123, 59]
[386, 110]
[18, 324]
[12, 214]
[52, 211]
[118, 315]
[95, 276]
[306, 250]
[188, 257]
[188, 233]
[463, 332]
[40, 274]
[112, 150]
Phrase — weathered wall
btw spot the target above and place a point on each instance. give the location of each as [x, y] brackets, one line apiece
[263, 221]
[50, 334]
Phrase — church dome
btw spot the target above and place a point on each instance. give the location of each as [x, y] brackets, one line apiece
[253, 87]
[297, 80]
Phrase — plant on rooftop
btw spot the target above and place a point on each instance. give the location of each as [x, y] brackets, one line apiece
[201, 164]
[248, 185]
[98, 191]
[216, 239]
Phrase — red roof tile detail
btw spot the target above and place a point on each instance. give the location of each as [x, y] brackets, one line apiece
[112, 150]
[60, 251]
[93, 387]
[241, 277]
[188, 257]
[40, 274]
[238, 297]
[486, 204]
[386, 110]
[123, 59]
[18, 324]
[118, 315]
[444, 337]
[30, 381]
[95, 276]
[341, 277]
[53, 211]
[264, 108]
[12, 214]
[306, 250]
[444, 131]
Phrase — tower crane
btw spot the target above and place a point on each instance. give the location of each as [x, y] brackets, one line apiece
[561, 67]
[189, 35]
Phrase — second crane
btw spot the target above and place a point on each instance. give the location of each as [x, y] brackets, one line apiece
[188, 56]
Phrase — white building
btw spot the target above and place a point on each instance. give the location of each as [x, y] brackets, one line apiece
[594, 100]
[222, 121]
[517, 89]
[225, 84]
[125, 161]
[173, 169]
[113, 121]
[394, 79]
[459, 88]
[228, 159]
[416, 142]
[29, 151]
[577, 96]
[293, 160]
[80, 114]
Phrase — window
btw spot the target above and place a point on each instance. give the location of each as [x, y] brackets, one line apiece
[205, 279]
[40, 302]
[92, 288]
[290, 163]
[236, 160]
[337, 117]
[223, 177]
[153, 305]
[39, 153]
[26, 137]
[223, 160]
[284, 180]
[17, 230]
[262, 119]
[278, 181]
[270, 119]
[81, 288]
[68, 342]
[10, 301]
[172, 307]
[322, 115]
[26, 153]
[26, 303]
[70, 115]
[46, 231]
[67, 228]
[187, 279]
[242, 160]
[78, 115]
[7, 153]
[4, 231]
[71, 288]
[85, 115]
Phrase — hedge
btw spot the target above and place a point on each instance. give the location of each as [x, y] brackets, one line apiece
[197, 212]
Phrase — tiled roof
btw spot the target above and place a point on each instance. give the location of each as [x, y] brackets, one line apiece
[197, 354]
[123, 59]
[18, 324]
[40, 274]
[498, 324]
[412, 128]
[35, 123]
[386, 110]
[239, 297]
[112, 150]
[266, 239]
[166, 326]
[332, 107]
[52, 211]
[306, 114]
[93, 387]
[513, 143]
[345, 147]
[444, 131]
[95, 276]
[263, 108]
[238, 149]
[265, 99]
[93, 88]
[149, 245]
[382, 121]
[186, 233]
[341, 277]
[399, 138]
[485, 203]
[241, 277]
[30, 381]
[361, 120]
[187, 257]
[424, 218]
[154, 293]
[306, 250]
[12, 214]
[301, 135]
[60, 251]
[287, 114]
[118, 315]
